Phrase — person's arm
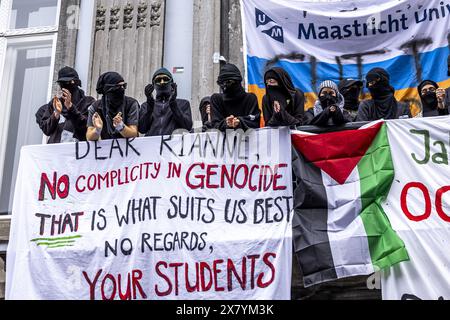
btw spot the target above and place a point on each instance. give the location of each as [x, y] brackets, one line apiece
[363, 112]
[443, 103]
[130, 128]
[296, 118]
[218, 120]
[182, 114]
[252, 120]
[269, 114]
[338, 116]
[78, 115]
[321, 119]
[145, 117]
[48, 120]
[95, 126]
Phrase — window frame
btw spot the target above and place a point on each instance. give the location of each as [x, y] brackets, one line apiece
[20, 38]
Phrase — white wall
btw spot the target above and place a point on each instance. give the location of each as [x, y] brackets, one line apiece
[179, 23]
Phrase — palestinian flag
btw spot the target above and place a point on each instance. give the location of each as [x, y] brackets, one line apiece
[339, 228]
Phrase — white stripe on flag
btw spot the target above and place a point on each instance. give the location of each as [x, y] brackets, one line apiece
[346, 232]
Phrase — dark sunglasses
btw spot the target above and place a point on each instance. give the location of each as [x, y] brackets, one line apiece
[160, 80]
[112, 87]
[226, 82]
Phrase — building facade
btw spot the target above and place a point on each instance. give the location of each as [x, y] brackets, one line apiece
[133, 37]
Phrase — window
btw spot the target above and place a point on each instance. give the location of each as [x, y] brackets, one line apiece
[28, 34]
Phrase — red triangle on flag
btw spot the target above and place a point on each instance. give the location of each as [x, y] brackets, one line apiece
[336, 153]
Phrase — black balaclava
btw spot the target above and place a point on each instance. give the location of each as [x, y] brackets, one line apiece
[429, 100]
[65, 76]
[283, 91]
[163, 91]
[234, 91]
[350, 90]
[327, 100]
[382, 94]
[205, 101]
[113, 97]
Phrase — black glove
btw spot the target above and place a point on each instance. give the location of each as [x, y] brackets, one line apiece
[173, 96]
[149, 92]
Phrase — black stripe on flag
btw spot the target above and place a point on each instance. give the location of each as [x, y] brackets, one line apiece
[310, 232]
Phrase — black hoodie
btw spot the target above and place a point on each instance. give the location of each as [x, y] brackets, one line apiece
[292, 100]
[430, 103]
[234, 102]
[160, 116]
[383, 104]
[73, 121]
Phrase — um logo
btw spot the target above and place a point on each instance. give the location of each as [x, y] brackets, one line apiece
[262, 19]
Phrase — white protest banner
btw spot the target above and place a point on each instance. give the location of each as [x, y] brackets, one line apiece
[418, 207]
[196, 216]
[318, 40]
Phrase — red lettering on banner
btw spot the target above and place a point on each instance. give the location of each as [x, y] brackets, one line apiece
[439, 207]
[111, 286]
[255, 178]
[256, 272]
[404, 202]
[58, 187]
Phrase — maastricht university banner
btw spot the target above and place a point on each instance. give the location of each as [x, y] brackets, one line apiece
[193, 217]
[317, 41]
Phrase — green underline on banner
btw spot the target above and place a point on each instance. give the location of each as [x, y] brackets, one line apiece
[50, 244]
[61, 246]
[56, 239]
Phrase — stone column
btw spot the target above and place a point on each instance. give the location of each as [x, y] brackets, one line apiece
[217, 31]
[127, 38]
[67, 36]
[206, 42]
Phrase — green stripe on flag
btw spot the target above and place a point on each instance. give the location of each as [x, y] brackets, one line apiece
[376, 172]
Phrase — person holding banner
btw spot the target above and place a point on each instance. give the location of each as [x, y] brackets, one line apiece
[433, 99]
[283, 104]
[165, 113]
[383, 104]
[115, 116]
[234, 108]
[64, 118]
[329, 108]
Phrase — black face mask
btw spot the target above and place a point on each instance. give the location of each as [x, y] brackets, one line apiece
[72, 87]
[352, 98]
[430, 100]
[163, 90]
[115, 98]
[327, 100]
[379, 90]
[232, 91]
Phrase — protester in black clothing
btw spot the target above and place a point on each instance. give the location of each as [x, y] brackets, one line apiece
[234, 108]
[283, 104]
[205, 112]
[166, 113]
[433, 99]
[329, 108]
[351, 90]
[115, 115]
[64, 119]
[383, 104]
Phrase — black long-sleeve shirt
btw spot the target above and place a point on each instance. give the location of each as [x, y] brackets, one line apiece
[246, 109]
[293, 115]
[327, 118]
[73, 121]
